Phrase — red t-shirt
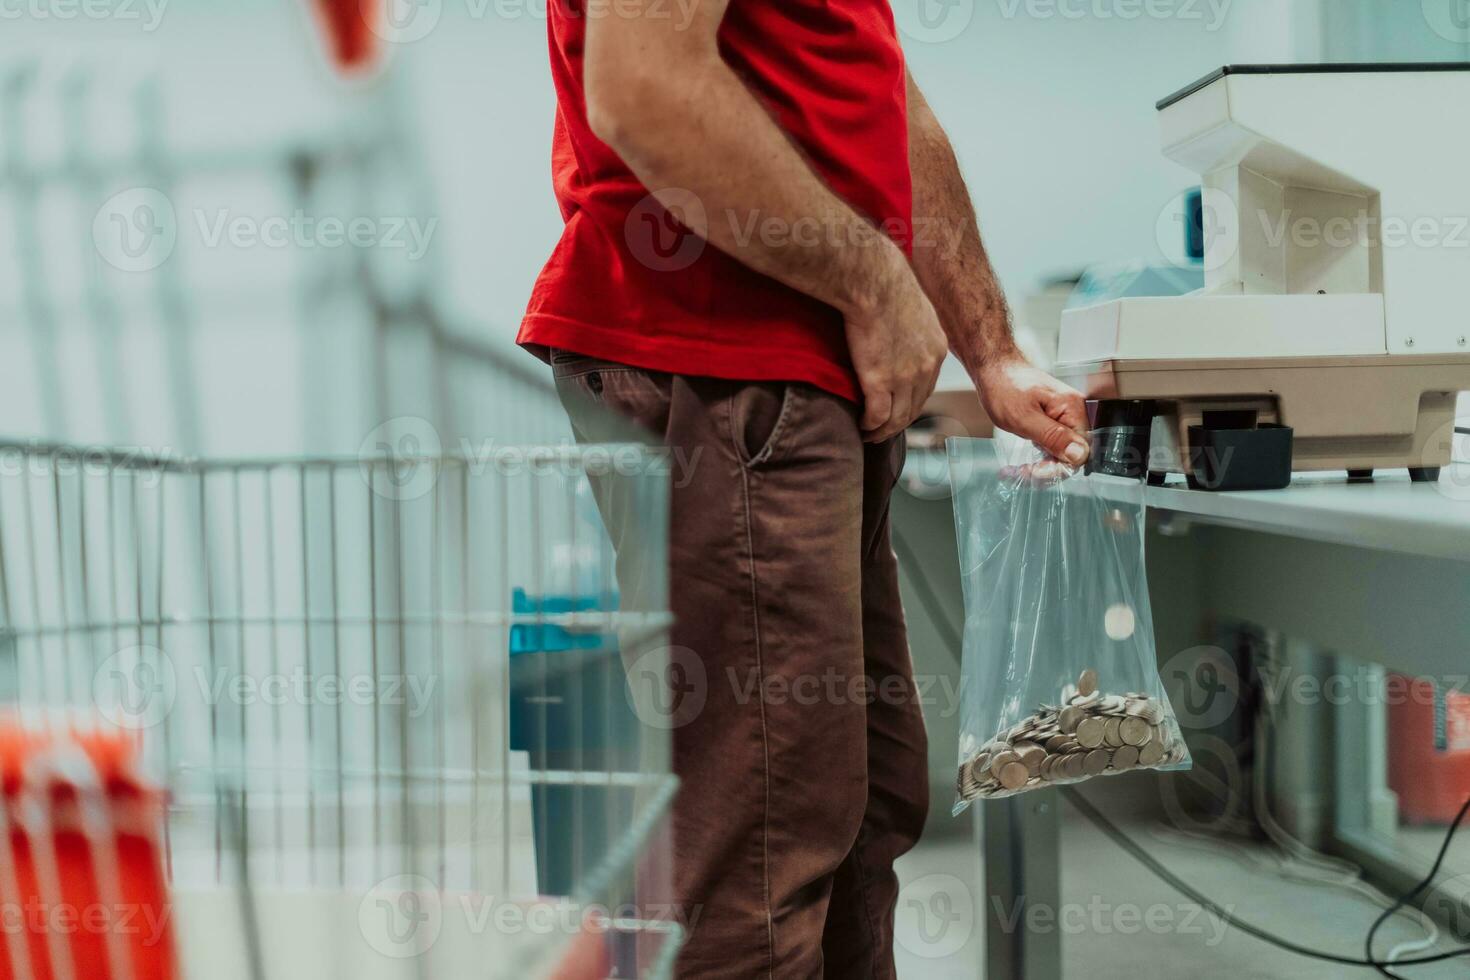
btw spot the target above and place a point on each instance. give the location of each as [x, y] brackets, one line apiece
[627, 282]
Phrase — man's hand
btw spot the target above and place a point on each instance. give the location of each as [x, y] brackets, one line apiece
[972, 307]
[1023, 399]
[897, 347]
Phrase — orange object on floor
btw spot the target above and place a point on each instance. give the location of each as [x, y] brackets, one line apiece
[83, 890]
[1428, 749]
[348, 26]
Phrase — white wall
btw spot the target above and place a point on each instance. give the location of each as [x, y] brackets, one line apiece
[1051, 112]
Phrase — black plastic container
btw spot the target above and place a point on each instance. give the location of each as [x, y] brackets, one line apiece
[1227, 455]
[1120, 437]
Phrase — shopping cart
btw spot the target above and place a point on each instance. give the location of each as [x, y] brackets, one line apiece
[370, 715]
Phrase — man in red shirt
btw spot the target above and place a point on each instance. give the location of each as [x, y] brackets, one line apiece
[768, 250]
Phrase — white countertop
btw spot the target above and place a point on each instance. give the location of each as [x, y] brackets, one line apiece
[1390, 513]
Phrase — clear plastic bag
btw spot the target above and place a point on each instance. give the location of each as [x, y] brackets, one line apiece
[1060, 681]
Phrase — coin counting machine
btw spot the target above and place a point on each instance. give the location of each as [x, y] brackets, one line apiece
[1332, 331]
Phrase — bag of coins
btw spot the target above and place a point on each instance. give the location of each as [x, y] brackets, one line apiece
[1060, 679]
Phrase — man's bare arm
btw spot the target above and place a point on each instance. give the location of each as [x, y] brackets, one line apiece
[663, 98]
[956, 274]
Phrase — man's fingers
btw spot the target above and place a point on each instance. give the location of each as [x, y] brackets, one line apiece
[1060, 440]
[922, 393]
[877, 407]
[1069, 408]
[899, 417]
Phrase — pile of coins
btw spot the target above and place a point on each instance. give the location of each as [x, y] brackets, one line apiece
[1088, 734]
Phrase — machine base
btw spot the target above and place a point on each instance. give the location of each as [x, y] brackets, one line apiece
[1348, 413]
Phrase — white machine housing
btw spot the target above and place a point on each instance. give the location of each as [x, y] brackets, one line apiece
[1336, 226]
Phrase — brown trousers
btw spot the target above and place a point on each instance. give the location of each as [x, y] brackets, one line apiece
[803, 768]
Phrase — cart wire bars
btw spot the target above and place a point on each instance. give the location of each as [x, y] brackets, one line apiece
[363, 717]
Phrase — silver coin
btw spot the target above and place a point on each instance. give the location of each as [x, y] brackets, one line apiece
[1112, 732]
[1151, 754]
[1000, 760]
[1135, 731]
[1090, 732]
[1031, 756]
[1125, 757]
[1087, 682]
[1014, 775]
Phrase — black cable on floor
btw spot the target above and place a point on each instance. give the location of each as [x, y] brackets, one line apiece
[1429, 878]
[1118, 837]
